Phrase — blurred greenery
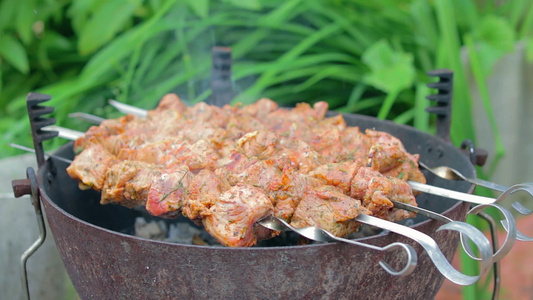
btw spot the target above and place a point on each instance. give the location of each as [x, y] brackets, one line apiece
[366, 57]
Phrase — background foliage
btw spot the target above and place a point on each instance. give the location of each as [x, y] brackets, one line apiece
[367, 57]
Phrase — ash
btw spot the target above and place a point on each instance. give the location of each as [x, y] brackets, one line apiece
[178, 232]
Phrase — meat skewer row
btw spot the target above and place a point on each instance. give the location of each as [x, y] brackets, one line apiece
[384, 157]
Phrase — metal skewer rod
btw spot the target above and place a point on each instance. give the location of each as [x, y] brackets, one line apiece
[129, 109]
[87, 117]
[321, 235]
[31, 150]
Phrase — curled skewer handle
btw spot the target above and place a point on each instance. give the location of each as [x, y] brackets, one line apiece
[519, 207]
[468, 234]
[410, 252]
[433, 250]
[452, 174]
[320, 235]
[509, 238]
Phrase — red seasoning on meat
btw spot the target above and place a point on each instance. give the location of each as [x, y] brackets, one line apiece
[227, 167]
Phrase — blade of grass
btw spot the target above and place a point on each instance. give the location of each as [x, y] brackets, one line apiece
[517, 9]
[387, 104]
[527, 26]
[124, 44]
[462, 126]
[405, 117]
[421, 117]
[242, 70]
[356, 94]
[266, 79]
[362, 104]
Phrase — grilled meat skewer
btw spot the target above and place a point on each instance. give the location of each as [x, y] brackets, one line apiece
[219, 166]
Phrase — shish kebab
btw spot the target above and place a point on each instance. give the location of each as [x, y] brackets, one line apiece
[389, 160]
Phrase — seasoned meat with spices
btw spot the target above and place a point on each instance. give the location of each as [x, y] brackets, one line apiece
[203, 191]
[127, 183]
[90, 167]
[327, 207]
[377, 190]
[231, 219]
[168, 192]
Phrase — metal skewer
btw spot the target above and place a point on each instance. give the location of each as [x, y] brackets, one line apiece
[320, 235]
[431, 247]
[87, 117]
[28, 149]
[128, 109]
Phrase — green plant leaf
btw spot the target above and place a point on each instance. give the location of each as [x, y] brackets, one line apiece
[389, 70]
[199, 7]
[8, 9]
[496, 32]
[106, 22]
[26, 12]
[1, 83]
[245, 4]
[493, 38]
[12, 51]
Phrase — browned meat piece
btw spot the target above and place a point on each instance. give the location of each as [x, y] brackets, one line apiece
[260, 109]
[328, 208]
[303, 113]
[161, 152]
[200, 155]
[127, 183]
[240, 124]
[204, 190]
[168, 192]
[391, 160]
[90, 166]
[264, 174]
[355, 144]
[235, 165]
[376, 192]
[232, 217]
[172, 152]
[170, 102]
[338, 174]
[101, 133]
[260, 143]
[287, 198]
[303, 157]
